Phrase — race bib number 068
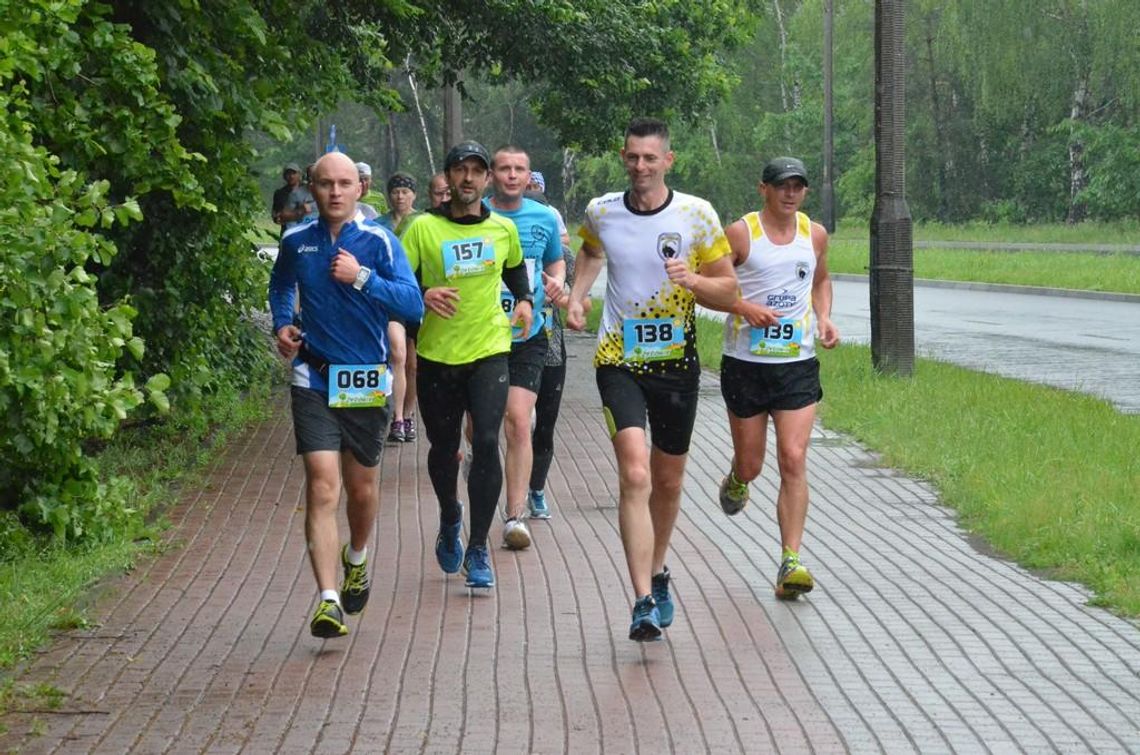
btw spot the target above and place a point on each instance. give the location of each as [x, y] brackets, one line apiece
[359, 385]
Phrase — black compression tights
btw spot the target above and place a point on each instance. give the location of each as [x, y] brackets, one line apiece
[446, 392]
[545, 417]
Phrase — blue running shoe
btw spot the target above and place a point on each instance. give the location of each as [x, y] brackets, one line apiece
[646, 624]
[662, 597]
[449, 546]
[477, 567]
[536, 503]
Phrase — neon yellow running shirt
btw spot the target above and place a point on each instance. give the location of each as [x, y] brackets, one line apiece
[470, 257]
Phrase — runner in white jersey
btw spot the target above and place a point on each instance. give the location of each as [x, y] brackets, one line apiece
[665, 251]
[769, 364]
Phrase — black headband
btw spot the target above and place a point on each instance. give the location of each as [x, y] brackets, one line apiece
[401, 181]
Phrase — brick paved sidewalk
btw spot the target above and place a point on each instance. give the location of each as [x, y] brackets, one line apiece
[912, 641]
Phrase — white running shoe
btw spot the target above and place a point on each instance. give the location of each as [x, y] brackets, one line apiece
[515, 535]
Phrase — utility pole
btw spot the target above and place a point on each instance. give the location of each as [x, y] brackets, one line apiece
[452, 116]
[892, 250]
[827, 186]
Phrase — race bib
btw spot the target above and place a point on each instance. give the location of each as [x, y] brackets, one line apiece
[355, 386]
[652, 339]
[467, 257]
[782, 339]
[507, 300]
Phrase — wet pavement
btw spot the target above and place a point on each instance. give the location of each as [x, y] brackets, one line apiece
[913, 640]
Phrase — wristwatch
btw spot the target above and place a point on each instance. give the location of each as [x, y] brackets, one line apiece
[362, 277]
[528, 299]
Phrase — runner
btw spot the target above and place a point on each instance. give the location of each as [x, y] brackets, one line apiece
[549, 401]
[460, 251]
[542, 253]
[352, 274]
[769, 364]
[664, 251]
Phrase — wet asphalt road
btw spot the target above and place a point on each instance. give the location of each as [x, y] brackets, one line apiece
[1077, 344]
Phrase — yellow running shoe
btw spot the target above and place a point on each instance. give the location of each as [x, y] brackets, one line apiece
[733, 494]
[793, 579]
[328, 621]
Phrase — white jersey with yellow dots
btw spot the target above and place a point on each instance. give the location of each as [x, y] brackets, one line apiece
[647, 321]
[778, 276]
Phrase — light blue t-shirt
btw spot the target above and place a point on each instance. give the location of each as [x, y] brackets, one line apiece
[541, 245]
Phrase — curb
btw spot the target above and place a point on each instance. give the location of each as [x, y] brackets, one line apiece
[1069, 293]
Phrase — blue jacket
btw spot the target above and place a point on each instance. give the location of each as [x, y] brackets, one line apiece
[342, 325]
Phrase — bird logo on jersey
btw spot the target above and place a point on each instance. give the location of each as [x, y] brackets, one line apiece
[801, 270]
[669, 245]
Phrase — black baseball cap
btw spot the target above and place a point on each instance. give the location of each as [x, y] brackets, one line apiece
[464, 150]
[782, 168]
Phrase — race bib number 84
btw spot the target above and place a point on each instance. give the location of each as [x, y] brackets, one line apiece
[354, 386]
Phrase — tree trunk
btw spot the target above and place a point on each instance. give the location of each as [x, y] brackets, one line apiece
[715, 146]
[827, 184]
[1078, 177]
[392, 159]
[423, 122]
[783, 53]
[942, 171]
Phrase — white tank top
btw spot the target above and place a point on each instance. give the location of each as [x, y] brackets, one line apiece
[777, 276]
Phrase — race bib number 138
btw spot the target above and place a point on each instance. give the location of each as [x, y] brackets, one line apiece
[653, 338]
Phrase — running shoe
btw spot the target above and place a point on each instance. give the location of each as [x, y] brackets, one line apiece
[328, 621]
[662, 597]
[733, 495]
[354, 590]
[793, 579]
[646, 624]
[409, 429]
[515, 534]
[449, 546]
[477, 567]
[537, 506]
[396, 431]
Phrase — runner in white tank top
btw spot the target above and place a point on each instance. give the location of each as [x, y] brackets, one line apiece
[769, 364]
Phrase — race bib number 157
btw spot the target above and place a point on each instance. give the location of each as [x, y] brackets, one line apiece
[468, 257]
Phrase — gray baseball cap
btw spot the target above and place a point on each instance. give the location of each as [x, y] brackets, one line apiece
[364, 169]
[782, 168]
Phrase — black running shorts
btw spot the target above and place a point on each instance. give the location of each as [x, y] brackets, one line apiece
[751, 388]
[318, 427]
[669, 401]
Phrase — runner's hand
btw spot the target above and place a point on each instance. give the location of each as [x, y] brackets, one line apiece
[442, 300]
[757, 315]
[555, 290]
[288, 341]
[344, 267]
[523, 316]
[576, 310]
[680, 274]
[826, 333]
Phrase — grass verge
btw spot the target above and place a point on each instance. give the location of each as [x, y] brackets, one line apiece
[1048, 477]
[43, 584]
[1127, 232]
[1087, 272]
